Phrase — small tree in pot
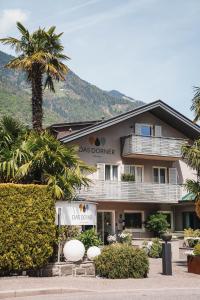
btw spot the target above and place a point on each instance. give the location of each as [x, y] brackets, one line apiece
[157, 223]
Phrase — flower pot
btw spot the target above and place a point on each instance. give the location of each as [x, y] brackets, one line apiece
[193, 263]
[166, 237]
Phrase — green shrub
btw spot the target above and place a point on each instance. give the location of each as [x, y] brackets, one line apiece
[27, 230]
[155, 250]
[66, 233]
[122, 261]
[157, 223]
[89, 238]
[191, 232]
[197, 249]
[192, 242]
[128, 177]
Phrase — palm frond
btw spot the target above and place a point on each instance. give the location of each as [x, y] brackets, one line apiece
[196, 104]
[24, 32]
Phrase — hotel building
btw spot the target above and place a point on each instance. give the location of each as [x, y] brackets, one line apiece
[139, 167]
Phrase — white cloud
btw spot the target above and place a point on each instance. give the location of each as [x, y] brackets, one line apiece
[9, 17]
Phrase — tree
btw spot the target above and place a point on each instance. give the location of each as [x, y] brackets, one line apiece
[157, 223]
[191, 154]
[38, 157]
[40, 56]
[196, 104]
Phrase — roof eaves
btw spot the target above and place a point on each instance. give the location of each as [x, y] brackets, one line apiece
[107, 123]
[117, 119]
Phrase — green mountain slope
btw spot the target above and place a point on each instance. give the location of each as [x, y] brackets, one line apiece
[74, 100]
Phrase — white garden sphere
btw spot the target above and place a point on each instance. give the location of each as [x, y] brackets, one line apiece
[93, 252]
[74, 250]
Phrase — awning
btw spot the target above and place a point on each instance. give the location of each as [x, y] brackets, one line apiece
[188, 197]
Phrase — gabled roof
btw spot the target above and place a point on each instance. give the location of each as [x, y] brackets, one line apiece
[158, 108]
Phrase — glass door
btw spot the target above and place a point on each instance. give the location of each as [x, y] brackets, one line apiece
[104, 224]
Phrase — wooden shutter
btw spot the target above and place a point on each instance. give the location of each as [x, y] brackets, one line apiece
[158, 131]
[101, 171]
[137, 129]
[172, 176]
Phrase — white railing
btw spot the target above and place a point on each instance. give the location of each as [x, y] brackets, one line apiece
[132, 192]
[148, 145]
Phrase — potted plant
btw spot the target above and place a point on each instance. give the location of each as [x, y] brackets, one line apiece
[193, 260]
[157, 223]
[127, 177]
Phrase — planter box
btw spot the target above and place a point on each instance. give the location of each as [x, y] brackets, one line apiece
[193, 263]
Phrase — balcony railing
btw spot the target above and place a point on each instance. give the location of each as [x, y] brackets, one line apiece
[153, 146]
[132, 192]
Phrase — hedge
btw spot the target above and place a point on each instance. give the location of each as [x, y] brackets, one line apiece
[27, 226]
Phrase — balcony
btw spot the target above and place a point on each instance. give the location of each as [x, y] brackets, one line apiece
[149, 147]
[132, 192]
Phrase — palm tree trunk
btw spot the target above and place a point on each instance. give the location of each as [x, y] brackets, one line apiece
[37, 98]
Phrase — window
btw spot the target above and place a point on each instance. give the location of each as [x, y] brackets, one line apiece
[190, 220]
[146, 130]
[135, 170]
[111, 172]
[133, 220]
[159, 175]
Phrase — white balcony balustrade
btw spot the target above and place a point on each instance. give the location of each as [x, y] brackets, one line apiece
[148, 146]
[144, 192]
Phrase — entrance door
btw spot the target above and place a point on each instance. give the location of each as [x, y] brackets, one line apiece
[105, 221]
[190, 220]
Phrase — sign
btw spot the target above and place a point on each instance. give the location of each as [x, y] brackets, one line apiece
[76, 213]
[97, 146]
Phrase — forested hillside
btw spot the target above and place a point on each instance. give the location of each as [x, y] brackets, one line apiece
[74, 100]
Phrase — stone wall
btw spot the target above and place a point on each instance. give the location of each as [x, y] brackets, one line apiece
[85, 269]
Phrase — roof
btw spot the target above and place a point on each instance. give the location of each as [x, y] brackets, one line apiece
[81, 123]
[188, 197]
[158, 108]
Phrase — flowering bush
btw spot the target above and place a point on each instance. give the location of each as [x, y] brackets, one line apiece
[153, 248]
[125, 237]
[112, 238]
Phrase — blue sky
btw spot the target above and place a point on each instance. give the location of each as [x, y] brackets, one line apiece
[147, 49]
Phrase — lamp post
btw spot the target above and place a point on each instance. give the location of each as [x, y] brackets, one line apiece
[59, 225]
[166, 254]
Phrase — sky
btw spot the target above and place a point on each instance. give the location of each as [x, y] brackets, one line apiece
[146, 49]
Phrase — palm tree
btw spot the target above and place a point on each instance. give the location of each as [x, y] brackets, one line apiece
[40, 56]
[196, 104]
[38, 157]
[191, 154]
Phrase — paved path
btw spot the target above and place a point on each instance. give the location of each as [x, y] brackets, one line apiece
[181, 282]
[172, 294]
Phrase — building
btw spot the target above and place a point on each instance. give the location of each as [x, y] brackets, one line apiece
[139, 169]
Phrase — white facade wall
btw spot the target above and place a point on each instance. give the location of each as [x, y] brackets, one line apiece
[92, 154]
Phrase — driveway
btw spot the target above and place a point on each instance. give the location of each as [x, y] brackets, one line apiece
[181, 285]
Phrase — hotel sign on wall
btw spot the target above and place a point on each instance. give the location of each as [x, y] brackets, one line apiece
[76, 213]
[97, 146]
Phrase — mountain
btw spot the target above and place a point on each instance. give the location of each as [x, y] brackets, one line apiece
[119, 95]
[74, 100]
